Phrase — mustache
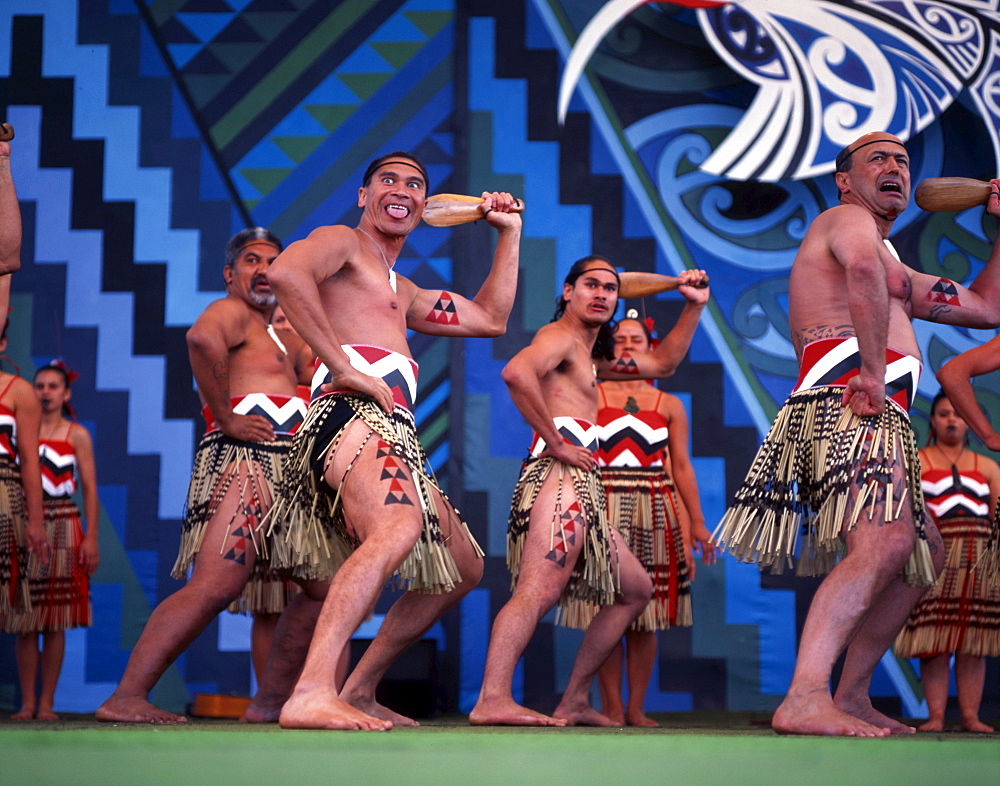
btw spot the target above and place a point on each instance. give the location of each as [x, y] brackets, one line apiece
[258, 279]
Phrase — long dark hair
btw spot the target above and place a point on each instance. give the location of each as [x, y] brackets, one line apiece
[604, 346]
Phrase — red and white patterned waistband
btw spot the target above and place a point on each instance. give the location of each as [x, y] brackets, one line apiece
[284, 413]
[574, 431]
[397, 371]
[831, 362]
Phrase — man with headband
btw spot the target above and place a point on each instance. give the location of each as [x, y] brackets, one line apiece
[560, 548]
[839, 463]
[246, 375]
[359, 504]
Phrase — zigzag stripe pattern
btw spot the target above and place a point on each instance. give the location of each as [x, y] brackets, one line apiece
[284, 413]
[8, 436]
[833, 361]
[58, 468]
[629, 441]
[574, 431]
[954, 493]
[398, 372]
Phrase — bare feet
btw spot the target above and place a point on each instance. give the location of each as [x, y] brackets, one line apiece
[814, 713]
[380, 711]
[863, 710]
[322, 709]
[24, 714]
[976, 725]
[125, 709]
[259, 711]
[587, 716]
[640, 719]
[46, 715]
[508, 712]
[933, 724]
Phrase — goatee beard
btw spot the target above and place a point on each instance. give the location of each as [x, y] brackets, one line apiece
[263, 298]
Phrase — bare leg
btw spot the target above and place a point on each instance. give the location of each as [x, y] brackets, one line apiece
[261, 639]
[388, 533]
[540, 582]
[288, 652]
[970, 675]
[887, 616]
[609, 683]
[934, 675]
[27, 657]
[179, 619]
[54, 648]
[409, 618]
[640, 657]
[876, 552]
[604, 632]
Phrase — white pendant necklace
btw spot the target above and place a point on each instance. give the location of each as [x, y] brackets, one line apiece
[388, 267]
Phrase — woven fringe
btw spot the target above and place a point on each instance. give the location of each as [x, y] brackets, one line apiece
[819, 468]
[593, 578]
[309, 535]
[60, 590]
[961, 612]
[15, 596]
[642, 505]
[219, 462]
[989, 563]
[265, 593]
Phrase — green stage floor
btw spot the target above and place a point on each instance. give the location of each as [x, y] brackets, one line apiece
[690, 748]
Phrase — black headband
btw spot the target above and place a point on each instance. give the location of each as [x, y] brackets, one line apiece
[846, 153]
[610, 269]
[376, 166]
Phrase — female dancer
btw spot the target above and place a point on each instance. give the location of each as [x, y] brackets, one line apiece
[60, 592]
[643, 457]
[959, 613]
[22, 534]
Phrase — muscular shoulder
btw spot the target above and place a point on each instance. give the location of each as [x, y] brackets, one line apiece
[227, 315]
[556, 340]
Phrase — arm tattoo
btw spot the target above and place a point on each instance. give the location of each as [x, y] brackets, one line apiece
[221, 370]
[444, 312]
[944, 291]
[625, 365]
[938, 312]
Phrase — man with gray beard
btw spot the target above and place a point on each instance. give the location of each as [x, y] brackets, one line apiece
[246, 375]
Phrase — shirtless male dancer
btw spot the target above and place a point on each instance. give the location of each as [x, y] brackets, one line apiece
[246, 377]
[560, 547]
[847, 431]
[358, 503]
[10, 222]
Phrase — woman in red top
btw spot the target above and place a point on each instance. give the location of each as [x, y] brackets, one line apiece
[959, 613]
[60, 591]
[644, 464]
